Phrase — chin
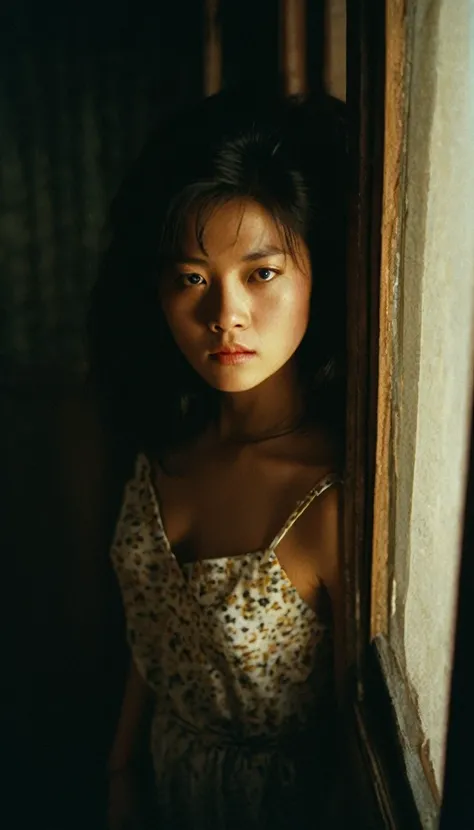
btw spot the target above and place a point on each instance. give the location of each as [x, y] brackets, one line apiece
[233, 381]
[236, 381]
[234, 387]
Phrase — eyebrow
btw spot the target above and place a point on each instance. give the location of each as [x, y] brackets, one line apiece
[252, 256]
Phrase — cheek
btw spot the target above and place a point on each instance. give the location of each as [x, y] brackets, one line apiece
[178, 318]
[288, 314]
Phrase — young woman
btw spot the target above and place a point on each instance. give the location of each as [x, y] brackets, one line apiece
[217, 351]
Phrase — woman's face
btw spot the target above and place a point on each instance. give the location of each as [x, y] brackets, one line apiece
[239, 311]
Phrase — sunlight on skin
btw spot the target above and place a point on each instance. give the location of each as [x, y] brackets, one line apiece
[243, 292]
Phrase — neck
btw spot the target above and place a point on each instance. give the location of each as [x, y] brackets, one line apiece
[274, 407]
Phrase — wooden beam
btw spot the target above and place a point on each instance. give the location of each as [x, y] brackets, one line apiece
[335, 48]
[365, 110]
[293, 46]
[212, 48]
[396, 68]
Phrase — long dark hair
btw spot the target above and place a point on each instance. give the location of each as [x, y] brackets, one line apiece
[287, 155]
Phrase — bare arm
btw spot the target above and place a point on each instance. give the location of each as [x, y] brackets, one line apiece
[127, 798]
[329, 544]
[133, 722]
[345, 798]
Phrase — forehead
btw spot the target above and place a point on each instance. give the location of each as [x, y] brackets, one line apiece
[232, 228]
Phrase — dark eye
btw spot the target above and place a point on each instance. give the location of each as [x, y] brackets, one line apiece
[191, 279]
[265, 274]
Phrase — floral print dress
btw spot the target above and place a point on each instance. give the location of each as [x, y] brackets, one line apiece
[241, 668]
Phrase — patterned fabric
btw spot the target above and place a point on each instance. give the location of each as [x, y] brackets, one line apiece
[241, 668]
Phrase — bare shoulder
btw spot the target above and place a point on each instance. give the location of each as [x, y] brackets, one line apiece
[325, 524]
[312, 456]
[316, 536]
[324, 537]
[319, 534]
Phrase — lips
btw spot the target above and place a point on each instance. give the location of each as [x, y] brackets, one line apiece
[232, 355]
[234, 348]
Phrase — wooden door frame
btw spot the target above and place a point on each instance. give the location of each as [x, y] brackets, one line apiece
[377, 86]
[365, 108]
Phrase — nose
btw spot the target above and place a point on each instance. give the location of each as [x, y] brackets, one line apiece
[228, 309]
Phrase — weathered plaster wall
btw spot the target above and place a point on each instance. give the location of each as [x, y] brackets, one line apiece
[435, 357]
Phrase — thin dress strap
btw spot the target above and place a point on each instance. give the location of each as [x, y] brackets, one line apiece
[317, 490]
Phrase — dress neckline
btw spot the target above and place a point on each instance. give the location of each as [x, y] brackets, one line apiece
[159, 518]
[322, 484]
[268, 553]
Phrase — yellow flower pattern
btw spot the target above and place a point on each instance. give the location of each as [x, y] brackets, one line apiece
[240, 665]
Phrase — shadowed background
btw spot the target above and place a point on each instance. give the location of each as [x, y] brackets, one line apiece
[82, 84]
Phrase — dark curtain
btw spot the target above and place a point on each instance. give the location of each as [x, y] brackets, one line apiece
[82, 85]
